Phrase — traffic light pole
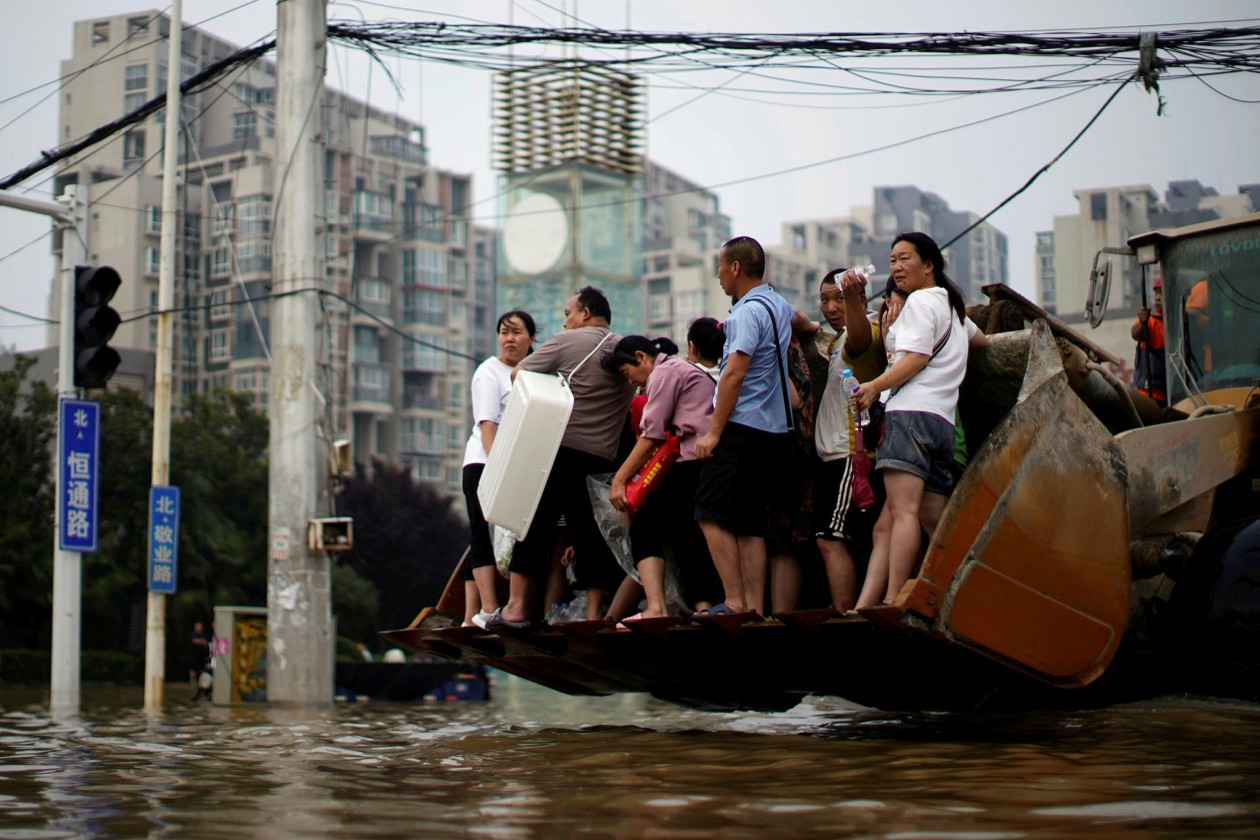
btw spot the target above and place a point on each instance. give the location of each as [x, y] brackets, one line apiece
[70, 215]
[67, 565]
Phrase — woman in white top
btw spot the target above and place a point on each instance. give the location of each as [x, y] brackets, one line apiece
[491, 385]
[927, 348]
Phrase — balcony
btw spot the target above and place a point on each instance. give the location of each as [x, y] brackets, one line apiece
[372, 383]
[373, 295]
[373, 212]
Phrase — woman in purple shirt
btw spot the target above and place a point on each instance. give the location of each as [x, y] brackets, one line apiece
[679, 400]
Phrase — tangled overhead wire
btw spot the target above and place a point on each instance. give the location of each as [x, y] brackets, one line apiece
[1075, 59]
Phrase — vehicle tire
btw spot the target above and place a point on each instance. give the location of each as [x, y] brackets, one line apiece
[1233, 615]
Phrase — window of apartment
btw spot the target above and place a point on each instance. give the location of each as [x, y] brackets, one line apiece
[189, 355]
[798, 239]
[100, 32]
[243, 93]
[220, 262]
[244, 125]
[136, 25]
[218, 303]
[659, 308]
[253, 213]
[219, 350]
[1098, 206]
[132, 101]
[192, 267]
[688, 306]
[136, 77]
[253, 256]
[422, 306]
[133, 147]
[269, 123]
[187, 66]
[430, 356]
[423, 267]
[222, 218]
[152, 261]
[152, 219]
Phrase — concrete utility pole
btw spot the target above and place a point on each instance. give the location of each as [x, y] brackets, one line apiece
[69, 213]
[299, 614]
[155, 622]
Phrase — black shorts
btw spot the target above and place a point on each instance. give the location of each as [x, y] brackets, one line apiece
[836, 515]
[738, 482]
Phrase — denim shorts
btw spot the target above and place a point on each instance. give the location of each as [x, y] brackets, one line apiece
[920, 443]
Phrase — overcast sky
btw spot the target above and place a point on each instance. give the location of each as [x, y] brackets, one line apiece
[745, 126]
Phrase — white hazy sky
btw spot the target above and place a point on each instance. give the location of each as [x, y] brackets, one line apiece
[728, 135]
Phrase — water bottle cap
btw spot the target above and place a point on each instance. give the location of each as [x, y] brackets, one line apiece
[847, 372]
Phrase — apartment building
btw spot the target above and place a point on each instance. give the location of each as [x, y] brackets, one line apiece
[407, 284]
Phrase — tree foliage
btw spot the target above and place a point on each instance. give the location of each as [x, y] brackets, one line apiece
[28, 437]
[407, 539]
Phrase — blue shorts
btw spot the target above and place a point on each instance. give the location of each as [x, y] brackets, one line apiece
[920, 443]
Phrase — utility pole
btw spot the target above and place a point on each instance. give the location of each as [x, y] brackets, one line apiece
[155, 621]
[69, 213]
[299, 614]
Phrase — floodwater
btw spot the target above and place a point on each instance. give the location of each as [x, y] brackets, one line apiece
[535, 764]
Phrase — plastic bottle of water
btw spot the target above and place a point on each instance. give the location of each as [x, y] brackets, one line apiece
[864, 271]
[850, 384]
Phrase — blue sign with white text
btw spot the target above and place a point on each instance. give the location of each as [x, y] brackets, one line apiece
[79, 462]
[163, 538]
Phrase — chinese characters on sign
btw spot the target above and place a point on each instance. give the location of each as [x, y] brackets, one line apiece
[79, 457]
[163, 538]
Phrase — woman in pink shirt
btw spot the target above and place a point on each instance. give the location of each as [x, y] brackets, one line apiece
[679, 400]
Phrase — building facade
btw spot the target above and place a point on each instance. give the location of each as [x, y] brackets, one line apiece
[407, 284]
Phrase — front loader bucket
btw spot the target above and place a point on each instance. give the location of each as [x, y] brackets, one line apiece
[1030, 562]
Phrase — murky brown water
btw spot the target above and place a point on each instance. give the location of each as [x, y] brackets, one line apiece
[535, 764]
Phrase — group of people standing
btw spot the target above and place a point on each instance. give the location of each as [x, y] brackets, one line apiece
[770, 459]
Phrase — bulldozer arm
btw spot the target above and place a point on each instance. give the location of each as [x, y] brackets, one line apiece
[1030, 562]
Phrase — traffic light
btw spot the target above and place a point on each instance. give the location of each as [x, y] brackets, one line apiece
[94, 325]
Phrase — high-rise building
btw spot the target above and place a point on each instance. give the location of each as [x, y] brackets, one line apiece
[683, 228]
[978, 260]
[568, 140]
[408, 284]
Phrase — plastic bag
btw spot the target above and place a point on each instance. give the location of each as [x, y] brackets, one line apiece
[615, 526]
[503, 542]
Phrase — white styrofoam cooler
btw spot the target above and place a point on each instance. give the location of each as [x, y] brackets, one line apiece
[524, 450]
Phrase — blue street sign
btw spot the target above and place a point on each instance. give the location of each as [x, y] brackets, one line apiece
[163, 538]
[79, 451]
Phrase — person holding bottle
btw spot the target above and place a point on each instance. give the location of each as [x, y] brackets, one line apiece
[839, 523]
[928, 346]
[491, 386]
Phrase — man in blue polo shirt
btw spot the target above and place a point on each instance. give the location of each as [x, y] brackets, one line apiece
[747, 439]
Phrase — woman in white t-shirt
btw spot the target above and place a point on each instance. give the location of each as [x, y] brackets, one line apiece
[927, 348]
[491, 385]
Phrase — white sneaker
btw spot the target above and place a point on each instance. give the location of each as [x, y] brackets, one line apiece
[482, 617]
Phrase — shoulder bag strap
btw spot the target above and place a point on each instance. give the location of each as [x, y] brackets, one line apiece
[568, 380]
[778, 358]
